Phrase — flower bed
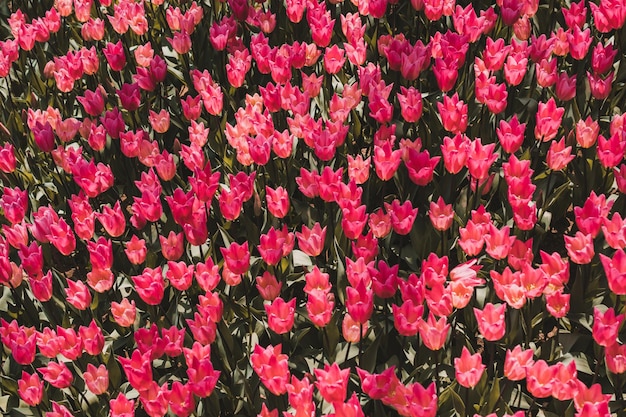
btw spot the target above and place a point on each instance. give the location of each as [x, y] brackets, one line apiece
[312, 208]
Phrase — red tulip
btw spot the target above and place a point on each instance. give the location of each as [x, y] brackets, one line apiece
[112, 219]
[70, 343]
[406, 318]
[606, 326]
[237, 257]
[96, 379]
[566, 87]
[272, 367]
[540, 379]
[320, 306]
[115, 56]
[549, 118]
[23, 346]
[57, 374]
[112, 123]
[421, 166]
[150, 285]
[353, 221]
[434, 332]
[181, 399]
[179, 275]
[576, 15]
[30, 389]
[138, 370]
[48, 342]
[468, 368]
[491, 323]
[517, 362]
[386, 161]
[611, 151]
[455, 152]
[41, 285]
[579, 42]
[268, 286]
[77, 294]
[92, 337]
[360, 302]
[155, 399]
[580, 247]
[471, 239]
[7, 158]
[558, 155]
[14, 203]
[613, 231]
[135, 250]
[332, 382]
[91, 178]
[124, 313]
[207, 275]
[172, 246]
[100, 253]
[122, 406]
[280, 315]
[615, 358]
[515, 68]
[202, 328]
[92, 101]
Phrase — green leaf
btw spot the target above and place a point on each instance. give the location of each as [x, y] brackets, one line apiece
[300, 258]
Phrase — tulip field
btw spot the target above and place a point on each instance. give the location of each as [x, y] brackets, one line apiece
[312, 208]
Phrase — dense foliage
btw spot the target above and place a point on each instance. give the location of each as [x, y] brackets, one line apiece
[303, 208]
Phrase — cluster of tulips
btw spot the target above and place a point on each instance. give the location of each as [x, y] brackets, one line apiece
[312, 208]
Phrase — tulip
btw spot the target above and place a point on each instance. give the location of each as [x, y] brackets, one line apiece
[579, 42]
[455, 152]
[606, 326]
[471, 239]
[272, 367]
[150, 285]
[406, 318]
[491, 322]
[57, 374]
[77, 294]
[124, 313]
[182, 400]
[281, 315]
[30, 388]
[402, 216]
[517, 362]
[558, 155]
[468, 368]
[576, 15]
[540, 379]
[580, 247]
[332, 382]
[115, 56]
[453, 114]
[96, 379]
[434, 332]
[611, 150]
[602, 58]
[121, 406]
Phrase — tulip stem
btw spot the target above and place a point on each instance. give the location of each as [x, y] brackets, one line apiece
[360, 344]
[437, 369]
[444, 243]
[599, 362]
[528, 322]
